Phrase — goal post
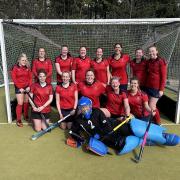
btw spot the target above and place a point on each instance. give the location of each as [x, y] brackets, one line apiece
[27, 35]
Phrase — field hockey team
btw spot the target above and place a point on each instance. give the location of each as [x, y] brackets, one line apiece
[103, 81]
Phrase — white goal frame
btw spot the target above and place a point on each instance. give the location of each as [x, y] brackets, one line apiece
[73, 22]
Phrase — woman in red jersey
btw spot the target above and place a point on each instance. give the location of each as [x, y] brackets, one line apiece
[80, 65]
[66, 99]
[118, 63]
[138, 101]
[42, 63]
[22, 78]
[42, 94]
[139, 67]
[63, 62]
[156, 79]
[101, 67]
[117, 102]
[91, 88]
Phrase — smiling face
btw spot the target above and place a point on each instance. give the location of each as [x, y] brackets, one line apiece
[22, 61]
[64, 50]
[42, 77]
[115, 84]
[90, 77]
[99, 53]
[117, 49]
[134, 85]
[41, 53]
[153, 52]
[82, 52]
[139, 53]
[65, 77]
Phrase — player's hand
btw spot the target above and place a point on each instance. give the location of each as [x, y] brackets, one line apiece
[73, 112]
[160, 93]
[27, 89]
[40, 108]
[21, 90]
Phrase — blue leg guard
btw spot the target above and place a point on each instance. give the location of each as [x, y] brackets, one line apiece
[97, 147]
[155, 132]
[171, 139]
[131, 143]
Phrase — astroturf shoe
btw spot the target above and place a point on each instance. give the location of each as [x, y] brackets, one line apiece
[171, 139]
[19, 123]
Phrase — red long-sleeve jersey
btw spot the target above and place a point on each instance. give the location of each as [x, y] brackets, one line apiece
[139, 70]
[100, 70]
[118, 67]
[21, 76]
[65, 65]
[81, 66]
[157, 73]
[46, 65]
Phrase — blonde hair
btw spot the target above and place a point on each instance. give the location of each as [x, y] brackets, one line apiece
[25, 56]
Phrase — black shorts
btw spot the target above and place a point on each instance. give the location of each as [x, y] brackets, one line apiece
[152, 92]
[37, 115]
[17, 90]
[65, 112]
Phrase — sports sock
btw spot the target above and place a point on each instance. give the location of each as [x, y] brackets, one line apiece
[26, 108]
[18, 112]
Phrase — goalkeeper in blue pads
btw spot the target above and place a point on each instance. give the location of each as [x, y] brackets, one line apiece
[105, 132]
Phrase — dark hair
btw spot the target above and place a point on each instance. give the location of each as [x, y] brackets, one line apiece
[134, 78]
[117, 44]
[139, 49]
[42, 71]
[152, 47]
[83, 47]
[99, 48]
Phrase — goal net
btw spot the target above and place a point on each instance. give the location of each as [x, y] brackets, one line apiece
[27, 36]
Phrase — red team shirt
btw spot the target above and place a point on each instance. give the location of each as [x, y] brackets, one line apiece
[118, 67]
[136, 103]
[100, 70]
[46, 65]
[41, 95]
[92, 91]
[157, 73]
[21, 76]
[65, 65]
[115, 102]
[81, 66]
[139, 70]
[67, 98]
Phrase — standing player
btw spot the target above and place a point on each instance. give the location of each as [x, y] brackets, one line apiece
[139, 67]
[22, 78]
[91, 88]
[156, 79]
[63, 62]
[138, 101]
[66, 99]
[42, 63]
[42, 94]
[118, 63]
[80, 65]
[117, 101]
[101, 67]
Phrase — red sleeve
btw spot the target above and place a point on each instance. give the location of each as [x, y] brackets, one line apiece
[124, 95]
[32, 88]
[102, 88]
[106, 62]
[13, 75]
[50, 90]
[57, 90]
[75, 87]
[79, 86]
[163, 74]
[30, 77]
[74, 64]
[145, 97]
[34, 68]
[50, 67]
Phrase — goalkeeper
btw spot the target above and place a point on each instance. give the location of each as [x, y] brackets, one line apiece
[102, 131]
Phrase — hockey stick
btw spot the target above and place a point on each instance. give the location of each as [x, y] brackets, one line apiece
[144, 140]
[41, 114]
[116, 128]
[51, 127]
